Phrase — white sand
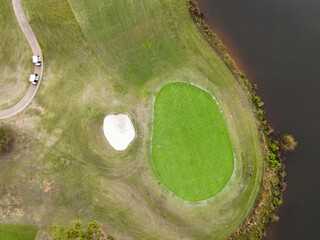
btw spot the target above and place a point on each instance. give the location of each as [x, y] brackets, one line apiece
[118, 130]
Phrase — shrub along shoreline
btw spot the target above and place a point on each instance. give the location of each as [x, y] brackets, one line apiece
[273, 184]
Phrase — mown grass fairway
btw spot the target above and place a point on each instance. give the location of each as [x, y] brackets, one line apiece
[17, 232]
[15, 62]
[113, 56]
[191, 148]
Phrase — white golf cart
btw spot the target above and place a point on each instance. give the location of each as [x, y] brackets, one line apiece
[36, 60]
[34, 78]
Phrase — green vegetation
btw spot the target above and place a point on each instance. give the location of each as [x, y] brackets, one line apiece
[112, 56]
[5, 140]
[287, 142]
[191, 148]
[17, 232]
[15, 62]
[79, 232]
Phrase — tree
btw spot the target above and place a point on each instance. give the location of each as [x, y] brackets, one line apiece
[79, 232]
[5, 140]
[110, 237]
[287, 143]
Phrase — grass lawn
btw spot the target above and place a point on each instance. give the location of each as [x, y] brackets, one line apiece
[15, 62]
[191, 147]
[113, 56]
[17, 232]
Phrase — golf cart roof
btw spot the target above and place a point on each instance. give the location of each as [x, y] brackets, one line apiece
[32, 77]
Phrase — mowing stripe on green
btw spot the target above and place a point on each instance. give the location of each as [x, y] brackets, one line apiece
[191, 147]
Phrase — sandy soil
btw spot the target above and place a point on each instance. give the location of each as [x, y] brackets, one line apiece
[118, 130]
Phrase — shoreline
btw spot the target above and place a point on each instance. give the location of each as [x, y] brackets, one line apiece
[273, 184]
[235, 55]
[227, 42]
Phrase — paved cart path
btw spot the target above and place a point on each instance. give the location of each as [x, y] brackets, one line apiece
[36, 50]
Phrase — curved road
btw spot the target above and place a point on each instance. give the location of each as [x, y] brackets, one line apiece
[36, 50]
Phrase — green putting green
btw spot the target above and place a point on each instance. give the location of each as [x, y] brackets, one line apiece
[191, 147]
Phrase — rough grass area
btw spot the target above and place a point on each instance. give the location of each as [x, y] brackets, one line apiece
[15, 58]
[17, 232]
[112, 56]
[191, 147]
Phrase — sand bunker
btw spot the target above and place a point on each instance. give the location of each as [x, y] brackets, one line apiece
[118, 130]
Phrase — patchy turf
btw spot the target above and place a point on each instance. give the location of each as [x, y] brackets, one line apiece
[17, 232]
[111, 56]
[191, 147]
[15, 58]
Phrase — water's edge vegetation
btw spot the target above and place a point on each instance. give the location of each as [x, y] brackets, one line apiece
[273, 185]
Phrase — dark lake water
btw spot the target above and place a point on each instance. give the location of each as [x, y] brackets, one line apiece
[277, 44]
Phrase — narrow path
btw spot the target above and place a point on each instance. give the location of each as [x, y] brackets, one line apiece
[36, 50]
